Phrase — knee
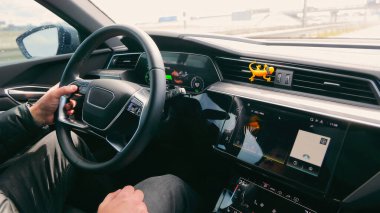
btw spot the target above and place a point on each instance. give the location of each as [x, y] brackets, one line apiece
[168, 193]
[167, 184]
[174, 184]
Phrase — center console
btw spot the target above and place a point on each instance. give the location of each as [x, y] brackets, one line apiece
[296, 148]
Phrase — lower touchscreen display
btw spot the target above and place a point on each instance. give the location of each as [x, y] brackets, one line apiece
[308, 149]
[279, 140]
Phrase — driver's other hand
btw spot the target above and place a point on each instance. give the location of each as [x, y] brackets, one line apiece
[43, 110]
[126, 200]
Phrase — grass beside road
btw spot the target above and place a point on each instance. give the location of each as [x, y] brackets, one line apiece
[9, 50]
[340, 31]
[10, 55]
[8, 39]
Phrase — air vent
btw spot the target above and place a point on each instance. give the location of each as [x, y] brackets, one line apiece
[124, 61]
[342, 87]
[312, 82]
[237, 70]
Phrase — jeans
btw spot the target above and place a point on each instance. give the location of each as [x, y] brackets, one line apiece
[40, 181]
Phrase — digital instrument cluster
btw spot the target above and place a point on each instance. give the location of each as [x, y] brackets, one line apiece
[191, 71]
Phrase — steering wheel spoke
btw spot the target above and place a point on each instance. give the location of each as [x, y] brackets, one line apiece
[116, 141]
[127, 123]
[69, 121]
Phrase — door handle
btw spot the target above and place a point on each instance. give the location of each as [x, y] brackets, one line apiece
[24, 94]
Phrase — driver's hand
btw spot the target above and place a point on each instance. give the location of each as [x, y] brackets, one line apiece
[43, 110]
[126, 200]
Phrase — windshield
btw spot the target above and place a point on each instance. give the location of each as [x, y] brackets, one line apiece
[252, 18]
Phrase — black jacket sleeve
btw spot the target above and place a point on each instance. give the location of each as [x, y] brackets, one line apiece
[17, 130]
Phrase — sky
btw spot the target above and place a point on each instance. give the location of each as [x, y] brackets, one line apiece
[150, 10]
[22, 12]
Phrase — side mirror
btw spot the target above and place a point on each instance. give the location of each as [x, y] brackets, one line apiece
[48, 40]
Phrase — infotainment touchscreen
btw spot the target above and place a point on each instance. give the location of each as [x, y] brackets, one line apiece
[281, 140]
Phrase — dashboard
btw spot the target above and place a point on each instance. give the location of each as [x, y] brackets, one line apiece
[296, 150]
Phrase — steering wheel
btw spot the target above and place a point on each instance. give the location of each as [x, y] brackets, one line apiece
[122, 113]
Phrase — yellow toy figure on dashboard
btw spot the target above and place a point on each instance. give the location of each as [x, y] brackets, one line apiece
[258, 72]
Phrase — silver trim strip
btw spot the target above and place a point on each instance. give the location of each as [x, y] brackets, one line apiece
[351, 113]
[24, 91]
[331, 84]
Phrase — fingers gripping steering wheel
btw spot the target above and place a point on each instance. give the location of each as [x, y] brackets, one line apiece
[111, 107]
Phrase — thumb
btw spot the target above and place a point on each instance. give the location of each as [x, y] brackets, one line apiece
[65, 90]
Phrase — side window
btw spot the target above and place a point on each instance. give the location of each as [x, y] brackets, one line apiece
[28, 30]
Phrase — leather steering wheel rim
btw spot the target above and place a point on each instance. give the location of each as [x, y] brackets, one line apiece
[152, 111]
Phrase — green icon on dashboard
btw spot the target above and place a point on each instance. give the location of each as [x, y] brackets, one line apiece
[147, 77]
[169, 77]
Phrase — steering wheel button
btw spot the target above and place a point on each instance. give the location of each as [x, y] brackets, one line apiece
[138, 113]
[135, 107]
[83, 89]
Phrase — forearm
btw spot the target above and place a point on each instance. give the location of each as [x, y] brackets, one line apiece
[17, 129]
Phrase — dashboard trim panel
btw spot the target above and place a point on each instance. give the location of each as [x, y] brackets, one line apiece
[351, 113]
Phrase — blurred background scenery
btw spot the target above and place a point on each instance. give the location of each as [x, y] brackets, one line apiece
[268, 19]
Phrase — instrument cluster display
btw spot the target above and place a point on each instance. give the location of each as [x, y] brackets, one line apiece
[191, 71]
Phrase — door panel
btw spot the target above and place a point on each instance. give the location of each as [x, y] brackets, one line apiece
[6, 103]
[29, 79]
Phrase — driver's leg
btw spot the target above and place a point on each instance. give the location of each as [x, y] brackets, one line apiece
[168, 194]
[38, 180]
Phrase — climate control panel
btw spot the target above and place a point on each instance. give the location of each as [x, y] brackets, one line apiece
[259, 196]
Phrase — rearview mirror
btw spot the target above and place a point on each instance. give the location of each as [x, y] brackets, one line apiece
[48, 40]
